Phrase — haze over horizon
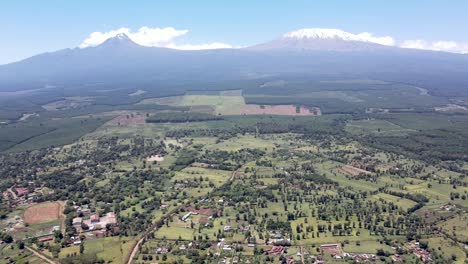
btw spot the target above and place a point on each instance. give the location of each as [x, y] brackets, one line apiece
[52, 25]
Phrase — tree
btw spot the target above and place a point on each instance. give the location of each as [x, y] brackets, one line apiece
[21, 245]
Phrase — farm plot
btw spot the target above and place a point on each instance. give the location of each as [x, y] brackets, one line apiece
[242, 142]
[217, 177]
[376, 127]
[403, 203]
[43, 213]
[291, 110]
[348, 169]
[127, 119]
[219, 104]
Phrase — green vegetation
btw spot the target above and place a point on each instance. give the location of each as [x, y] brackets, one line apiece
[192, 190]
[181, 117]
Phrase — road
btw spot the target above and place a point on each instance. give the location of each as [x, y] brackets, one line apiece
[39, 255]
[154, 227]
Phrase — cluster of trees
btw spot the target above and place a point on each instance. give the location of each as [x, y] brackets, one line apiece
[181, 117]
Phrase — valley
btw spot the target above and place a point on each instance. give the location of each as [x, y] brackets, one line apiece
[226, 186]
[318, 146]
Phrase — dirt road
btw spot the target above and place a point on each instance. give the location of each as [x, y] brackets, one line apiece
[39, 255]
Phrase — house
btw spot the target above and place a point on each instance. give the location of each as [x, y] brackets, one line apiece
[111, 214]
[45, 239]
[186, 216]
[111, 218]
[397, 258]
[21, 191]
[244, 228]
[95, 218]
[276, 250]
[77, 221]
[162, 250]
[227, 248]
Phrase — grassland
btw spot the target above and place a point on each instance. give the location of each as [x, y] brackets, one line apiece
[376, 127]
[111, 249]
[222, 104]
[43, 133]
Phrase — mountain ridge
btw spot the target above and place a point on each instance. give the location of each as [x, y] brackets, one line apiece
[120, 60]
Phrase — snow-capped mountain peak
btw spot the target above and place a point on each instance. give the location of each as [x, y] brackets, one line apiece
[119, 40]
[121, 36]
[337, 34]
[321, 33]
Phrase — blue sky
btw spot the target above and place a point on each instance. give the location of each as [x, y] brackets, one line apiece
[29, 27]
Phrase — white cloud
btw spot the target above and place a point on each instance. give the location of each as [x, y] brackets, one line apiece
[151, 37]
[368, 37]
[448, 46]
[331, 33]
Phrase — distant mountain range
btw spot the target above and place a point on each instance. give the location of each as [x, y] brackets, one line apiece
[313, 53]
[320, 40]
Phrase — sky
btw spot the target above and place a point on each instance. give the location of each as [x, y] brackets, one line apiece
[30, 27]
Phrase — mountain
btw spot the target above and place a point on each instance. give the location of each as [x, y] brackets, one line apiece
[120, 62]
[317, 39]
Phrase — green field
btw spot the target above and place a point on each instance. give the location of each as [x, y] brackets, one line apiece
[376, 127]
[226, 103]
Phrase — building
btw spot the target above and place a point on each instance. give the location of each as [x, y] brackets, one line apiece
[77, 221]
[95, 218]
[21, 191]
[46, 238]
[186, 216]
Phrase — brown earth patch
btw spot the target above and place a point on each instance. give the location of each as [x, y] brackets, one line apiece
[201, 211]
[348, 169]
[203, 109]
[42, 213]
[127, 120]
[292, 110]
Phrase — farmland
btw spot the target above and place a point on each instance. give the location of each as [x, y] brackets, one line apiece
[210, 176]
[41, 213]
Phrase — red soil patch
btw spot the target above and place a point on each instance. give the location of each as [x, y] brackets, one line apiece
[353, 170]
[127, 120]
[43, 212]
[292, 110]
[201, 211]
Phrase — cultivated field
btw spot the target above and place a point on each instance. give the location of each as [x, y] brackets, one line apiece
[127, 119]
[353, 170]
[43, 213]
[292, 110]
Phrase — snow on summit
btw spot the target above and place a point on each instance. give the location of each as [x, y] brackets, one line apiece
[328, 33]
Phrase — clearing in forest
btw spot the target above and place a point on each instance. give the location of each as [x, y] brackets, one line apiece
[230, 103]
[127, 119]
[292, 110]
